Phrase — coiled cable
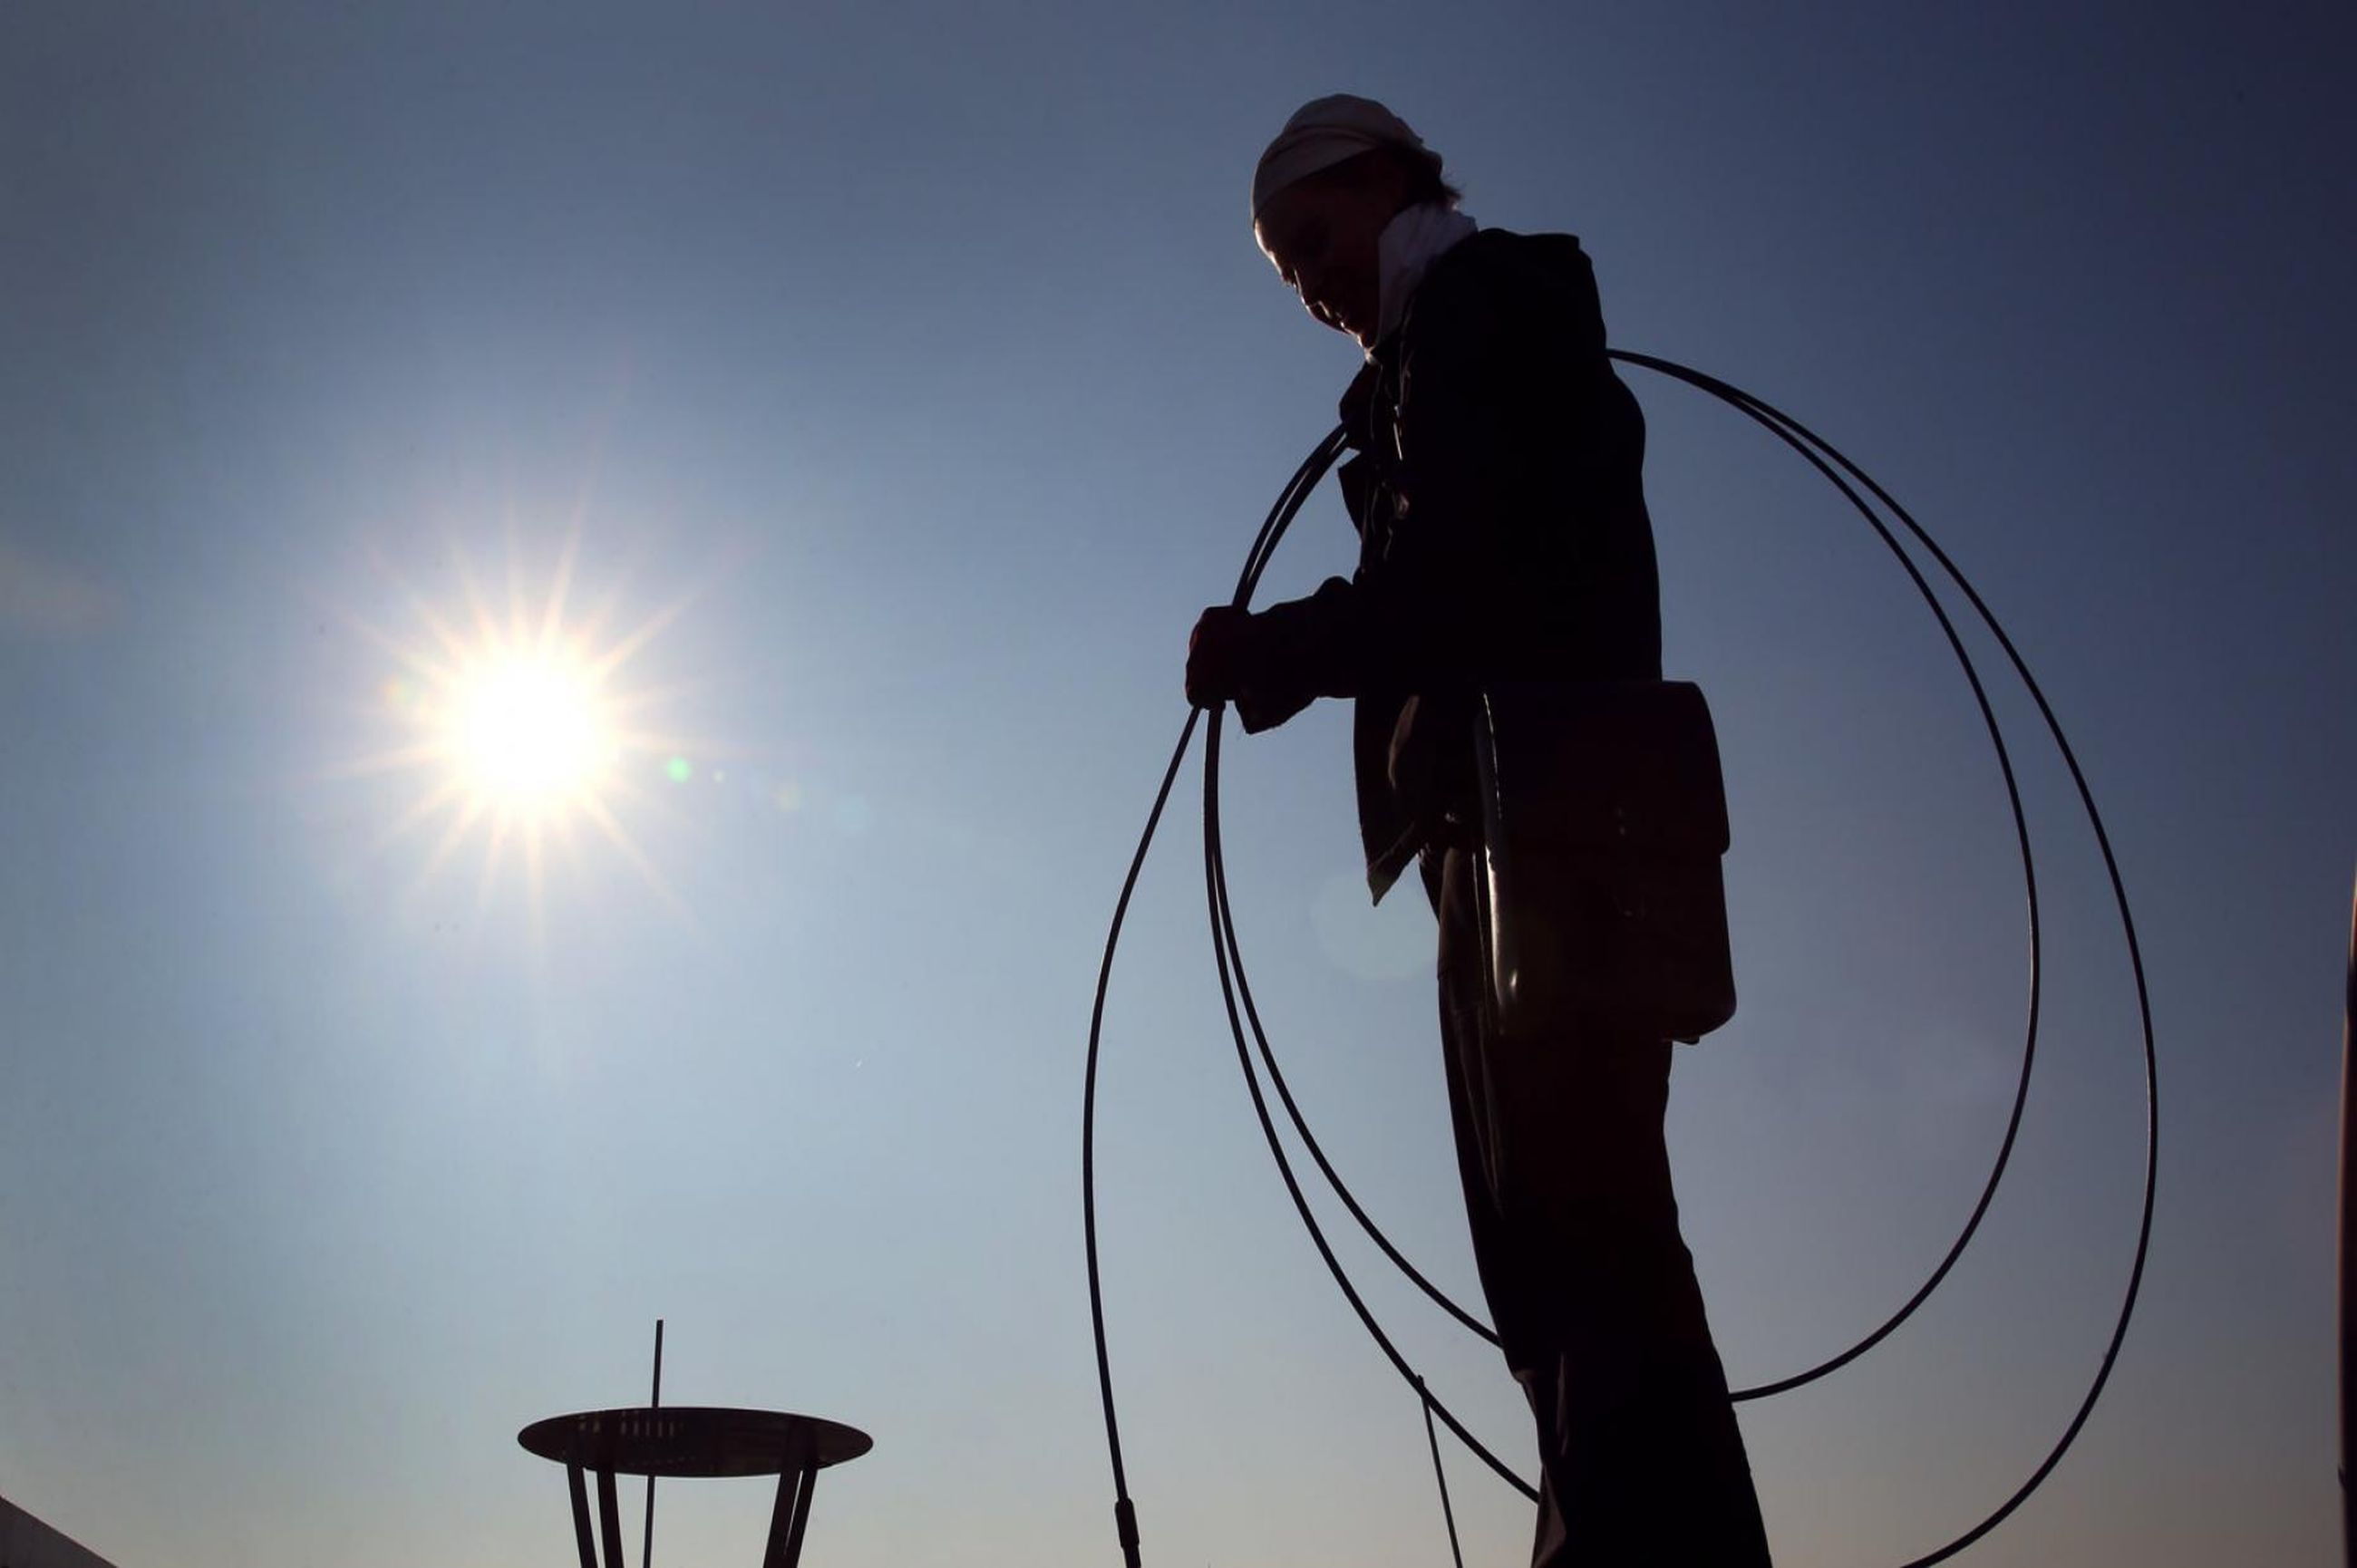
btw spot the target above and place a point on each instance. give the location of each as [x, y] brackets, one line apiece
[1236, 993]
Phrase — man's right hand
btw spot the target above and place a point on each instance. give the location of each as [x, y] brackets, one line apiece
[1218, 654]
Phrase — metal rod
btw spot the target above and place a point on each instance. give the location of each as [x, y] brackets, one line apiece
[801, 1517]
[609, 1519]
[785, 1516]
[654, 1402]
[580, 1516]
[2347, 1250]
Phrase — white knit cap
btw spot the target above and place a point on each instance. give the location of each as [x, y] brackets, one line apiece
[1323, 133]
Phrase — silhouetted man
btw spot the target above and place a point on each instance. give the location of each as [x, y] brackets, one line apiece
[1497, 489]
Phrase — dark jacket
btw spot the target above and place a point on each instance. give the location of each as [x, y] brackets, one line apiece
[1498, 492]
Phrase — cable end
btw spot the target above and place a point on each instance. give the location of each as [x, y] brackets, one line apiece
[1125, 1521]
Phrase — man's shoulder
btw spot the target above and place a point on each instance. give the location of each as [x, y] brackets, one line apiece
[1497, 278]
[1513, 243]
[1490, 258]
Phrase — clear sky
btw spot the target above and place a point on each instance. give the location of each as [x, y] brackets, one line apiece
[909, 374]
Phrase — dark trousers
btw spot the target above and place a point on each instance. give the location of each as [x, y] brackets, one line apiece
[1590, 1287]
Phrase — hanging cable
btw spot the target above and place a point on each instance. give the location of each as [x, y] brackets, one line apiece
[1225, 954]
[1760, 409]
[1439, 1473]
[1289, 501]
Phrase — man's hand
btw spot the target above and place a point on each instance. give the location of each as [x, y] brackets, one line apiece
[1218, 656]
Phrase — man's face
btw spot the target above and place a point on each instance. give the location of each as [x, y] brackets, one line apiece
[1321, 233]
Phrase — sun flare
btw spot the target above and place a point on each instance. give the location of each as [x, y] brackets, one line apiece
[520, 729]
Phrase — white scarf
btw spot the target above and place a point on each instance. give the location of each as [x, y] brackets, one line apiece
[1409, 244]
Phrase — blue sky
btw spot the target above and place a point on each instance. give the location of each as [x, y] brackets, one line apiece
[919, 359]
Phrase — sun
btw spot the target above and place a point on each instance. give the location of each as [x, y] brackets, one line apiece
[520, 728]
[531, 729]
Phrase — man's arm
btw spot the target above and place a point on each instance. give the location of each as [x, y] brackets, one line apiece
[1497, 403]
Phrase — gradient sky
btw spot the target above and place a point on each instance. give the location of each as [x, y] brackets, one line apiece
[919, 358]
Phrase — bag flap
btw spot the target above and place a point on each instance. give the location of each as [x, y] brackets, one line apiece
[1602, 762]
